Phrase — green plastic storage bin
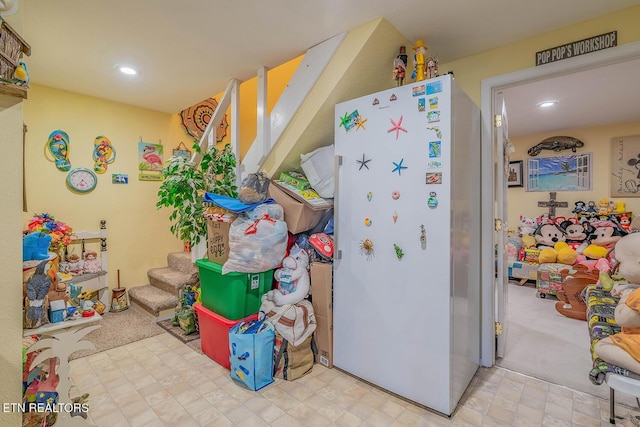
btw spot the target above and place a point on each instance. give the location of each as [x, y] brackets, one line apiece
[234, 295]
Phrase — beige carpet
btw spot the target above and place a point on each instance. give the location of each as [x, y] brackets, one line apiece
[546, 345]
[120, 328]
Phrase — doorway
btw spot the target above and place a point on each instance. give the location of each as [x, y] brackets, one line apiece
[495, 289]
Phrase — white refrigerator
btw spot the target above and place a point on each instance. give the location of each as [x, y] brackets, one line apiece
[407, 241]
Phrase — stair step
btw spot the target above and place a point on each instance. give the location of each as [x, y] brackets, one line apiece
[171, 280]
[152, 299]
[182, 261]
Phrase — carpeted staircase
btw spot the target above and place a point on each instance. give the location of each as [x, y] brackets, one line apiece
[160, 297]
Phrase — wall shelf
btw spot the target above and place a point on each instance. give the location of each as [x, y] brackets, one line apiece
[11, 94]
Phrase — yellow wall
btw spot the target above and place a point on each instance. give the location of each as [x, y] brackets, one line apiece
[139, 236]
[597, 140]
[470, 71]
[277, 80]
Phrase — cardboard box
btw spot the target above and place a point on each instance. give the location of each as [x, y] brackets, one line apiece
[298, 216]
[324, 340]
[321, 275]
[322, 299]
[295, 179]
[218, 241]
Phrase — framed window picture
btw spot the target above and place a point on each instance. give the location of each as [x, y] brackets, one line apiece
[561, 173]
[514, 179]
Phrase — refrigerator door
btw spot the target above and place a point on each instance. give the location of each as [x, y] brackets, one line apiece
[392, 281]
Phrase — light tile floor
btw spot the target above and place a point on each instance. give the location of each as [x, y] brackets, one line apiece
[161, 382]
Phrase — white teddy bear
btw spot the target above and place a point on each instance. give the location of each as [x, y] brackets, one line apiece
[293, 279]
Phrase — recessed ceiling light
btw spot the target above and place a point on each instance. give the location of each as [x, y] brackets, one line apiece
[547, 104]
[127, 70]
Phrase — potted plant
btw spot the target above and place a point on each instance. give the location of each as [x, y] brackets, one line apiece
[185, 184]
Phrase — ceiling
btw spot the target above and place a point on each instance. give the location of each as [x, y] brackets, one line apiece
[187, 51]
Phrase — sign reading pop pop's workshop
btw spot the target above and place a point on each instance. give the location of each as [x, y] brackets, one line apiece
[569, 50]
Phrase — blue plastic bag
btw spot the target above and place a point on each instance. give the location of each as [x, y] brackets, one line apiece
[251, 353]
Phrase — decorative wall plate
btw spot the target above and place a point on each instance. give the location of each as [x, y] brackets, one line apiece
[196, 118]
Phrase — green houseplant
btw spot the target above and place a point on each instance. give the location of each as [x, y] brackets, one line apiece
[185, 184]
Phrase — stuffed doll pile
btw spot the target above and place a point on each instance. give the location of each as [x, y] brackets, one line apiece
[623, 349]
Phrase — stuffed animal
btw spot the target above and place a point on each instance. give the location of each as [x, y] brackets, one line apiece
[603, 239]
[547, 235]
[293, 279]
[91, 263]
[625, 223]
[560, 253]
[580, 207]
[527, 225]
[576, 234]
[591, 208]
[623, 349]
[603, 207]
[74, 265]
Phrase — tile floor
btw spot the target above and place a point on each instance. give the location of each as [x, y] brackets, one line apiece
[161, 382]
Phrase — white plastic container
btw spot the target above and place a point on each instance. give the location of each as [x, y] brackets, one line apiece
[318, 166]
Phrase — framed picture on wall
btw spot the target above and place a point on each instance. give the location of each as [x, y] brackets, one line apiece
[561, 173]
[625, 166]
[514, 178]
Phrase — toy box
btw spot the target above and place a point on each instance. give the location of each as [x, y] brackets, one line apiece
[233, 295]
[214, 334]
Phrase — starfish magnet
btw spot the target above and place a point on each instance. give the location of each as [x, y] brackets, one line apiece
[363, 162]
[360, 123]
[399, 167]
[344, 120]
[397, 127]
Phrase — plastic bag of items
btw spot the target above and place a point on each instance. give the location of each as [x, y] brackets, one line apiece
[257, 241]
[254, 188]
[318, 167]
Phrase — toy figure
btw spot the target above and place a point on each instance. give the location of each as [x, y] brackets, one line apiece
[580, 208]
[400, 66]
[432, 67]
[625, 223]
[591, 208]
[603, 207]
[419, 61]
[91, 263]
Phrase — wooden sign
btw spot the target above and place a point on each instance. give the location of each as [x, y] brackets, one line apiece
[581, 47]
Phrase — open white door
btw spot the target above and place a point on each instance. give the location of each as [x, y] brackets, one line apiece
[501, 163]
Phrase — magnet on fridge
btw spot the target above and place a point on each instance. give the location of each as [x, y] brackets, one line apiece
[395, 217]
[432, 201]
[366, 248]
[399, 166]
[395, 195]
[367, 221]
[363, 162]
[393, 97]
[360, 122]
[369, 196]
[397, 127]
[375, 101]
[423, 237]
[398, 250]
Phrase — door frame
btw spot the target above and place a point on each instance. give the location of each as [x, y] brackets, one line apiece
[489, 87]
